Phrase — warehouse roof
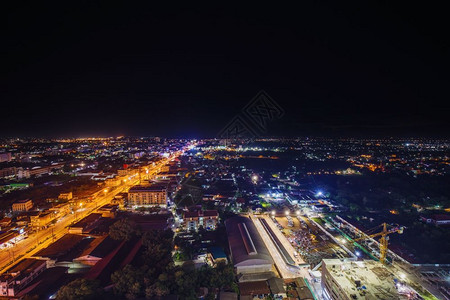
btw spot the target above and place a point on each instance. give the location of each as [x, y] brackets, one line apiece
[247, 247]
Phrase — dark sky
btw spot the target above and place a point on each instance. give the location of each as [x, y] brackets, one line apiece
[83, 69]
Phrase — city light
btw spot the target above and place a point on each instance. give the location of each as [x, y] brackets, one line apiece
[298, 213]
[358, 253]
[273, 213]
[286, 213]
[319, 194]
[105, 190]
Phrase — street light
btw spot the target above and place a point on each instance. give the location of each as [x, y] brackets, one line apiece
[273, 213]
[105, 190]
[298, 213]
[255, 179]
[287, 213]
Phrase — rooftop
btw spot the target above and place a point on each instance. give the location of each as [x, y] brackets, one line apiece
[246, 245]
[362, 279]
[61, 246]
[149, 188]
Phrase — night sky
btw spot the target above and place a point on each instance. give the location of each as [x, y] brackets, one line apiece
[78, 68]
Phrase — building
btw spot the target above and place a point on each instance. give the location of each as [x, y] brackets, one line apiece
[85, 224]
[251, 259]
[208, 219]
[10, 238]
[153, 195]
[352, 280]
[5, 157]
[65, 196]
[8, 172]
[38, 171]
[42, 220]
[216, 255]
[61, 209]
[22, 205]
[5, 222]
[115, 181]
[20, 275]
[108, 210]
[438, 220]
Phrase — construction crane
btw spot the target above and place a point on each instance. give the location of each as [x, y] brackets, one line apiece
[384, 238]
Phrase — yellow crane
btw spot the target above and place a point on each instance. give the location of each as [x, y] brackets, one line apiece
[384, 238]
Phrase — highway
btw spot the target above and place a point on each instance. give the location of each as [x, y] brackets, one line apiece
[39, 240]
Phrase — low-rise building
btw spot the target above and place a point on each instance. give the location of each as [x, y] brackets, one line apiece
[22, 205]
[20, 275]
[208, 219]
[8, 172]
[38, 171]
[5, 157]
[108, 210]
[113, 181]
[216, 255]
[85, 223]
[65, 196]
[42, 220]
[438, 220]
[5, 222]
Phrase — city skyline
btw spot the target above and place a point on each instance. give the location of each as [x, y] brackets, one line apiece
[225, 152]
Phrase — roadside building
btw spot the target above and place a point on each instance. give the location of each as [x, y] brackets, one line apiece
[108, 210]
[5, 222]
[152, 195]
[22, 205]
[208, 219]
[65, 196]
[8, 238]
[13, 280]
[85, 224]
[61, 209]
[115, 181]
[42, 220]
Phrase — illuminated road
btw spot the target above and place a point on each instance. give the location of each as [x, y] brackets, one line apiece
[37, 241]
[284, 270]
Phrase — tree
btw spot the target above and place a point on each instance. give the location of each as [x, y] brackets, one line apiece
[128, 282]
[124, 229]
[79, 289]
